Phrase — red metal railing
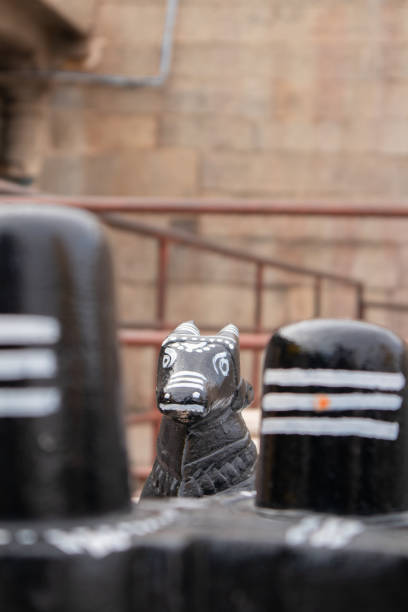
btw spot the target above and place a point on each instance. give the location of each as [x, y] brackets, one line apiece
[167, 237]
[215, 206]
[254, 340]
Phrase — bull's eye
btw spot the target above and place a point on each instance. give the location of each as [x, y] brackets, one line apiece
[221, 363]
[169, 357]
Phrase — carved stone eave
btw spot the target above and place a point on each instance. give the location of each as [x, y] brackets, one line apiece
[35, 35]
[42, 32]
[77, 14]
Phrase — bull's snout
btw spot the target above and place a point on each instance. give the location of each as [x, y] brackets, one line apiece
[184, 396]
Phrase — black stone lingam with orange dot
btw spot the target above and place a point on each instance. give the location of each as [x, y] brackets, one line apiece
[334, 419]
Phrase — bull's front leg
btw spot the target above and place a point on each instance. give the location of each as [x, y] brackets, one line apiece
[160, 483]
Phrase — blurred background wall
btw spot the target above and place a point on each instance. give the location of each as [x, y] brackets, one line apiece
[268, 98]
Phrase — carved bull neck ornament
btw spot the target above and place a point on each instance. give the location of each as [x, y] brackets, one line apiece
[204, 446]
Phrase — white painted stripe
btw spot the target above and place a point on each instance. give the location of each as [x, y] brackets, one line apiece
[28, 329]
[359, 379]
[186, 379]
[196, 378]
[29, 402]
[184, 386]
[231, 328]
[322, 426]
[27, 363]
[182, 407]
[188, 373]
[283, 402]
[225, 339]
[187, 327]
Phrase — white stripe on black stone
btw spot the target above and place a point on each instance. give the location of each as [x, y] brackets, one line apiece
[285, 402]
[18, 330]
[359, 379]
[188, 373]
[322, 426]
[185, 379]
[29, 402]
[27, 364]
[182, 385]
[188, 328]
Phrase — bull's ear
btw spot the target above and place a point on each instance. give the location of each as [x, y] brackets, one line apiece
[188, 328]
[231, 331]
[244, 396]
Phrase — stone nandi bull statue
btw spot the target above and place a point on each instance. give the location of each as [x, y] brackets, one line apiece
[204, 446]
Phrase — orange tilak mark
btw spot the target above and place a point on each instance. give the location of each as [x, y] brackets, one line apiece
[322, 402]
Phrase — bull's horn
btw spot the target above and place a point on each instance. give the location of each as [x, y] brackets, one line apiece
[188, 328]
[230, 331]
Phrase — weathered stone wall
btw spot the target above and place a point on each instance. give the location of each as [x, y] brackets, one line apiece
[281, 99]
[274, 98]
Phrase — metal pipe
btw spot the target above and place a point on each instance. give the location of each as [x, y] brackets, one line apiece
[163, 261]
[151, 205]
[180, 237]
[386, 306]
[259, 285]
[256, 376]
[146, 338]
[141, 472]
[114, 80]
[317, 294]
[360, 304]
[256, 366]
[140, 418]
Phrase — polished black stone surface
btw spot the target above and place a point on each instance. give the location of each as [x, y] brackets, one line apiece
[203, 446]
[61, 437]
[361, 465]
[210, 554]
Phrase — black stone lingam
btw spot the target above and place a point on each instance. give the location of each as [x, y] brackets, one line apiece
[62, 451]
[334, 419]
[204, 446]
